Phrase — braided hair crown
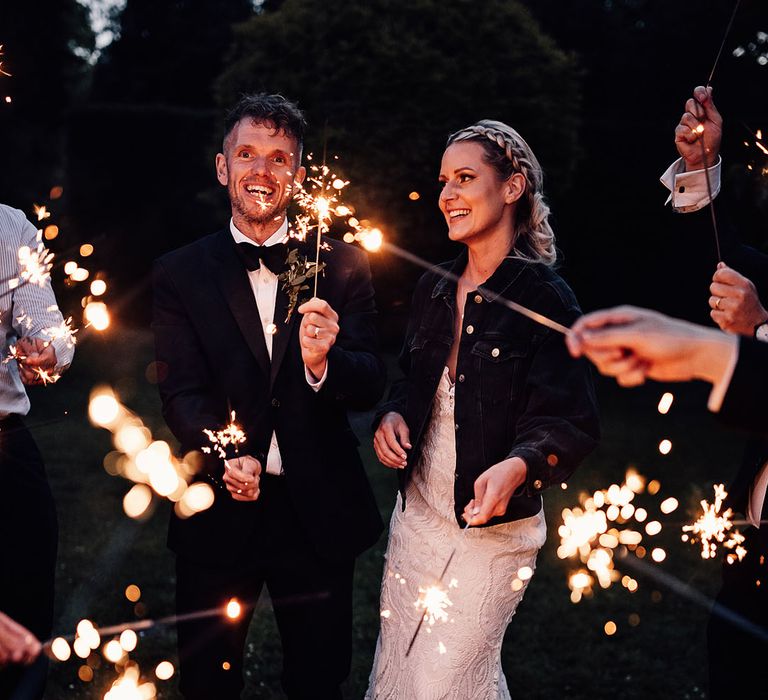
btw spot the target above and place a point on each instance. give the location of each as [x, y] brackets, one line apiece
[508, 153]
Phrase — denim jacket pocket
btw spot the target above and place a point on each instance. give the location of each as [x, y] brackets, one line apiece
[498, 365]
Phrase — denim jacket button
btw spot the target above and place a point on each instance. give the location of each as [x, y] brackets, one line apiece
[537, 484]
[478, 299]
[495, 352]
[470, 330]
[461, 377]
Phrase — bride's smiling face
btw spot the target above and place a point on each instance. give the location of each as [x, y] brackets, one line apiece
[475, 201]
[259, 169]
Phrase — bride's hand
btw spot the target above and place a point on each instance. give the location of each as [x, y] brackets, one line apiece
[493, 489]
[391, 440]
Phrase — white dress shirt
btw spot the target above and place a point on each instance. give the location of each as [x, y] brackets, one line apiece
[26, 309]
[688, 190]
[264, 286]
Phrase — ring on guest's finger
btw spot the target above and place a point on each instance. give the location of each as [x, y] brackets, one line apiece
[316, 331]
[717, 303]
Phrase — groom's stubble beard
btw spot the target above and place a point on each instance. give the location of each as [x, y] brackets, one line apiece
[256, 215]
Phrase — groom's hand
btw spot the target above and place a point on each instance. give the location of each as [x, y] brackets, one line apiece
[493, 489]
[241, 475]
[317, 334]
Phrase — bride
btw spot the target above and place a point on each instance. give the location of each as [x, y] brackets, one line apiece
[490, 413]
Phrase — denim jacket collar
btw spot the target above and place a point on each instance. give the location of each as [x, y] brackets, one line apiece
[504, 277]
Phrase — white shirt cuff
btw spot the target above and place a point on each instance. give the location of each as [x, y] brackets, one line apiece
[688, 190]
[757, 496]
[717, 395]
[316, 384]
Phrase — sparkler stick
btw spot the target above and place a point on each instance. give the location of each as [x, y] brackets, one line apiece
[700, 130]
[686, 591]
[141, 625]
[513, 305]
[439, 580]
[725, 37]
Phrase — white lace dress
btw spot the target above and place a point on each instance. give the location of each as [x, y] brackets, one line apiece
[457, 651]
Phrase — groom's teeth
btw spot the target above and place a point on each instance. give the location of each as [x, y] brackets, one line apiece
[258, 189]
[458, 212]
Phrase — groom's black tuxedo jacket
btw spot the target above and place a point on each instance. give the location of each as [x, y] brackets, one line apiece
[212, 356]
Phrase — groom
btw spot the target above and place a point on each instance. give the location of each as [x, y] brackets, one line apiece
[293, 508]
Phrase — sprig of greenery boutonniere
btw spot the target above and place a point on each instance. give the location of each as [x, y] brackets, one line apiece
[294, 279]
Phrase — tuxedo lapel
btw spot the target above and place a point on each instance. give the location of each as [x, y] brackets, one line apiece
[232, 277]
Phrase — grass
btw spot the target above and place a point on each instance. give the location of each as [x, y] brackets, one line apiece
[553, 649]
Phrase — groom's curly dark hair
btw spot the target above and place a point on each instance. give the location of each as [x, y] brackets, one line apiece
[275, 110]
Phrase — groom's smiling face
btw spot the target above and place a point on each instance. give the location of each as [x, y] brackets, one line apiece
[259, 167]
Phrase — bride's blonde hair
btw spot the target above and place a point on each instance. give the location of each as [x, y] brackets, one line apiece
[508, 153]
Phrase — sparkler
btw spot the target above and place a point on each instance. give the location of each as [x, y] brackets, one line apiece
[715, 526]
[434, 599]
[699, 130]
[232, 434]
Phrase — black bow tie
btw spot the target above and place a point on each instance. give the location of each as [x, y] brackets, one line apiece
[273, 256]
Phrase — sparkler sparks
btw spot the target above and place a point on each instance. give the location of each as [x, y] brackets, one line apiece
[35, 265]
[715, 527]
[232, 434]
[434, 601]
[148, 463]
[587, 532]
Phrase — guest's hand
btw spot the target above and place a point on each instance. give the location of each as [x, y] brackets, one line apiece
[634, 344]
[391, 440]
[317, 334]
[17, 644]
[241, 475]
[699, 110]
[35, 353]
[493, 489]
[736, 308]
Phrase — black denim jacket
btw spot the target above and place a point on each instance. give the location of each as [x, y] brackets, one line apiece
[518, 391]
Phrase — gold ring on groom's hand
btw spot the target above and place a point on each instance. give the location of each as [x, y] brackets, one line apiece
[717, 303]
[317, 331]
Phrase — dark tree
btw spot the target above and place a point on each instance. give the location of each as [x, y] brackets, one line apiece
[168, 52]
[46, 44]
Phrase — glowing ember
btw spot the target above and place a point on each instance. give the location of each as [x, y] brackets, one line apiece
[113, 652]
[41, 212]
[164, 670]
[715, 526]
[60, 649]
[234, 609]
[665, 403]
[97, 315]
[128, 640]
[668, 505]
